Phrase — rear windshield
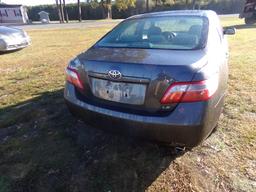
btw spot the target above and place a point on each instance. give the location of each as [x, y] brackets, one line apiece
[172, 32]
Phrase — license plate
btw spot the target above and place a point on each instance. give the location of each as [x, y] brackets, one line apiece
[121, 92]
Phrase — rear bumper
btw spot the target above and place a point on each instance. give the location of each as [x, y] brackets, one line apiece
[187, 125]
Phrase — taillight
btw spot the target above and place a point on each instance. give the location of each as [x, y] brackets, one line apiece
[73, 77]
[191, 91]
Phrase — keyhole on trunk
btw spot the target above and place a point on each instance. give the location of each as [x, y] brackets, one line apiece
[107, 92]
[126, 95]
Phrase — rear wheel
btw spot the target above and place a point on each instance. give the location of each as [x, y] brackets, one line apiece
[249, 21]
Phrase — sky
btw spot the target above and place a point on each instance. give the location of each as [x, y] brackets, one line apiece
[33, 2]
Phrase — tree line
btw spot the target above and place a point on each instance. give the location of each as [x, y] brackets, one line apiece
[106, 6]
[102, 9]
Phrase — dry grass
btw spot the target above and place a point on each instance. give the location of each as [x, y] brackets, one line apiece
[42, 148]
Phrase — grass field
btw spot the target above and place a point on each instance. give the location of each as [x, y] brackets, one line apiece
[43, 148]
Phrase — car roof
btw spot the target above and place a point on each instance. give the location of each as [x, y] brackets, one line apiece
[200, 13]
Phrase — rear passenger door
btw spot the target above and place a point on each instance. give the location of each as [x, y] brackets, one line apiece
[218, 50]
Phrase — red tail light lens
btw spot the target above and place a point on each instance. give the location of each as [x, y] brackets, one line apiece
[190, 91]
[73, 77]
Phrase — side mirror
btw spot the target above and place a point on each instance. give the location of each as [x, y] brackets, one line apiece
[229, 31]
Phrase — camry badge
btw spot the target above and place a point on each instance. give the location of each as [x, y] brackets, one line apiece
[115, 74]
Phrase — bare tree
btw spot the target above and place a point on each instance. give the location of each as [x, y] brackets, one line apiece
[79, 11]
[65, 11]
[187, 2]
[61, 11]
[58, 9]
[147, 5]
[106, 5]
[193, 4]
[109, 8]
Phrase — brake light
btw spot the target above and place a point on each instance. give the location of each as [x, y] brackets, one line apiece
[73, 77]
[191, 91]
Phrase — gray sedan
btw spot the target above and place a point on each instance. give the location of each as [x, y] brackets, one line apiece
[162, 76]
[13, 39]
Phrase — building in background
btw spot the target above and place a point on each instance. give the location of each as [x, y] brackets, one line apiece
[13, 14]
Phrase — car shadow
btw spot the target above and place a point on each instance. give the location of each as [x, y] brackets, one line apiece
[242, 26]
[9, 52]
[61, 153]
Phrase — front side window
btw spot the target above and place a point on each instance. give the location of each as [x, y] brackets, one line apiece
[173, 32]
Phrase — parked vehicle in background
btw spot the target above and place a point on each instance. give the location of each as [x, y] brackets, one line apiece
[249, 12]
[13, 39]
[162, 76]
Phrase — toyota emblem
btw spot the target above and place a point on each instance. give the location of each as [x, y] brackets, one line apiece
[115, 74]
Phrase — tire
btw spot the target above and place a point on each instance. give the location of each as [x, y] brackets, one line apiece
[249, 21]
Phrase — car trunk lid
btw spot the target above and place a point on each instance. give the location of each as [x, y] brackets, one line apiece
[145, 75]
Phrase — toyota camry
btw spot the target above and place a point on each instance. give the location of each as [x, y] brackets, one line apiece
[162, 76]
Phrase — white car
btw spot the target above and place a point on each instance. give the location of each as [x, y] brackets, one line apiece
[13, 39]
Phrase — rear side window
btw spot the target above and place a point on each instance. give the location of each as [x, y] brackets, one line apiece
[130, 30]
[173, 32]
